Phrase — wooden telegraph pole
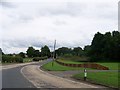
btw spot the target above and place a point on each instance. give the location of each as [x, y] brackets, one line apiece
[54, 53]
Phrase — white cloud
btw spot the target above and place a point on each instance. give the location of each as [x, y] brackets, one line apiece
[70, 23]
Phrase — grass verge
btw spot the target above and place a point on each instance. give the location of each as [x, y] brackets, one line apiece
[103, 78]
[111, 65]
[58, 67]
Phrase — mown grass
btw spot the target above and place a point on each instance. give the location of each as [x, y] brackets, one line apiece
[104, 78]
[111, 65]
[58, 67]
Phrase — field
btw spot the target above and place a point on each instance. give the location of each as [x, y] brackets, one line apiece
[104, 78]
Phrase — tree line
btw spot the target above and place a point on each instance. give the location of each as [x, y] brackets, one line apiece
[104, 47]
[31, 53]
[45, 51]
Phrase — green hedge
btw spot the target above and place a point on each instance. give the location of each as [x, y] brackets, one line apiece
[11, 59]
[39, 58]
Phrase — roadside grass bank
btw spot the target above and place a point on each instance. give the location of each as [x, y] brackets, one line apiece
[53, 66]
[111, 65]
[104, 78]
[58, 67]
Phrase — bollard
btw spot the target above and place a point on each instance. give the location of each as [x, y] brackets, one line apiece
[85, 74]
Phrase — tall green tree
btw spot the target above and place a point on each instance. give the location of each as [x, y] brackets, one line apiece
[107, 42]
[63, 51]
[30, 51]
[36, 53]
[87, 50]
[45, 51]
[97, 46]
[1, 52]
[116, 45]
[78, 51]
[105, 47]
[21, 54]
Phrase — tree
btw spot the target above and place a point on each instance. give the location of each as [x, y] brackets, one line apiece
[45, 51]
[21, 54]
[63, 50]
[107, 42]
[36, 53]
[87, 50]
[78, 51]
[30, 51]
[105, 47]
[1, 52]
[116, 45]
[97, 46]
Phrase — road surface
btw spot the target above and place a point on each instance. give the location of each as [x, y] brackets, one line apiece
[31, 76]
[12, 77]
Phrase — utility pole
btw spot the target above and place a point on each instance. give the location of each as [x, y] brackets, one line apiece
[54, 53]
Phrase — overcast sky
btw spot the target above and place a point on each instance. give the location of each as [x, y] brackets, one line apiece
[71, 22]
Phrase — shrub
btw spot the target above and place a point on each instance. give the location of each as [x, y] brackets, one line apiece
[11, 59]
[18, 59]
[39, 58]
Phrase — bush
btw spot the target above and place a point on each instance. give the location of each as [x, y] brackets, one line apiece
[76, 58]
[11, 59]
[18, 59]
[39, 58]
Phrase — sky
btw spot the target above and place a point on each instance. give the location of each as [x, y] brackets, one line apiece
[71, 23]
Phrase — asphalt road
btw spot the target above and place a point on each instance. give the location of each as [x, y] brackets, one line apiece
[30, 76]
[12, 77]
